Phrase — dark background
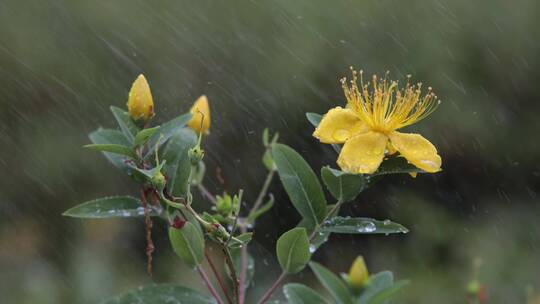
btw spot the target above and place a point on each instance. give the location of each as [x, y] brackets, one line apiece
[264, 64]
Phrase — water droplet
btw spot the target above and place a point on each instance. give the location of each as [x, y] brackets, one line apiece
[367, 227]
[386, 222]
[312, 248]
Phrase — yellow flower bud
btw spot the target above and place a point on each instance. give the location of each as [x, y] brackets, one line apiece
[200, 122]
[140, 103]
[358, 274]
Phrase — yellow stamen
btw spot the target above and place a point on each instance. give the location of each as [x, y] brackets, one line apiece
[384, 107]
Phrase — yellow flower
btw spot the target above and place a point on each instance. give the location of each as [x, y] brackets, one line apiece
[140, 103]
[358, 274]
[200, 122]
[367, 126]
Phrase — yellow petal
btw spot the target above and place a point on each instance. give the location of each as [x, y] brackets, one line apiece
[338, 125]
[200, 122]
[363, 153]
[140, 103]
[417, 150]
[358, 274]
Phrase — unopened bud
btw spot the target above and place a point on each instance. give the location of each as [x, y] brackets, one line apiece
[358, 274]
[200, 121]
[158, 181]
[140, 103]
[195, 154]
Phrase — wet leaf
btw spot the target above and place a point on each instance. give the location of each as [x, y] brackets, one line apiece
[111, 207]
[111, 148]
[144, 135]
[361, 225]
[109, 136]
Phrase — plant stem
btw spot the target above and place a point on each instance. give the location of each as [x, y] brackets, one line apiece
[243, 269]
[232, 270]
[330, 214]
[209, 285]
[263, 191]
[271, 290]
[207, 193]
[218, 277]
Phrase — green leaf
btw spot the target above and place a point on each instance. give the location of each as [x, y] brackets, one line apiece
[263, 209]
[162, 294]
[268, 161]
[178, 165]
[377, 282]
[314, 118]
[301, 294]
[300, 182]
[112, 206]
[292, 250]
[111, 148]
[109, 136]
[361, 225]
[166, 131]
[144, 135]
[241, 240]
[343, 186]
[335, 286]
[394, 165]
[127, 125]
[383, 296]
[188, 244]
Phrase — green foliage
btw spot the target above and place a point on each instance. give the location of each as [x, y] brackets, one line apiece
[333, 284]
[343, 186]
[301, 294]
[178, 166]
[128, 127]
[188, 244]
[380, 288]
[111, 207]
[108, 136]
[143, 135]
[166, 131]
[301, 183]
[292, 250]
[112, 148]
[162, 294]
[361, 225]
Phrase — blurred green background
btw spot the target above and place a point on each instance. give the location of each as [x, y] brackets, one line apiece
[264, 64]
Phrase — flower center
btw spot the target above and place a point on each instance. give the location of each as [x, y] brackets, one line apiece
[383, 106]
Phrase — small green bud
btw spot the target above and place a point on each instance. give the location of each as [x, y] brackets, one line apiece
[224, 204]
[158, 181]
[195, 154]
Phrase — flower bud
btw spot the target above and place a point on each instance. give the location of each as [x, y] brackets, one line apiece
[200, 122]
[195, 154]
[358, 274]
[178, 223]
[158, 181]
[140, 103]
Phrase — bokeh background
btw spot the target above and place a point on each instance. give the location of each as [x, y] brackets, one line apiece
[264, 64]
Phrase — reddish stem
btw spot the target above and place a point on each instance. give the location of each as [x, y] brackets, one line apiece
[148, 223]
[218, 277]
[209, 285]
[243, 270]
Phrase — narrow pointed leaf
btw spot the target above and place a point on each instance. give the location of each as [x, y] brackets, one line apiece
[110, 207]
[335, 286]
[362, 225]
[301, 294]
[109, 136]
[383, 296]
[166, 131]
[162, 294]
[300, 182]
[178, 165]
[377, 283]
[144, 135]
[292, 250]
[127, 125]
[111, 148]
